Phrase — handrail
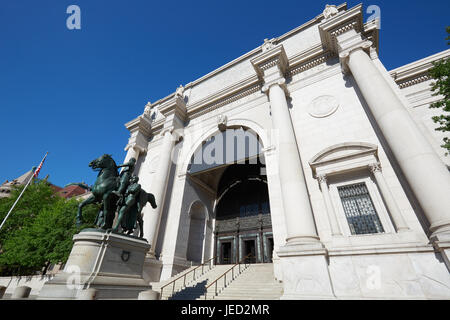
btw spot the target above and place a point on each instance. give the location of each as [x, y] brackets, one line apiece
[225, 275]
[184, 276]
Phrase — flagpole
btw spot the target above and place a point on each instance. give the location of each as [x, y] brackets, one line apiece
[18, 198]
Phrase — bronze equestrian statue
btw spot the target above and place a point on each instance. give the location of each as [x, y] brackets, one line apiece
[116, 192]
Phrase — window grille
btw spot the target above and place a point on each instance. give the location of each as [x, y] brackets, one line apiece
[359, 209]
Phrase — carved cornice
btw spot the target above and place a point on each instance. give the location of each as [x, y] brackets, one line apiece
[174, 106]
[311, 62]
[270, 58]
[343, 22]
[413, 81]
[140, 124]
[417, 72]
[228, 95]
[371, 33]
[272, 55]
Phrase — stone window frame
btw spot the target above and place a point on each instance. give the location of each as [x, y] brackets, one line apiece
[377, 201]
[342, 163]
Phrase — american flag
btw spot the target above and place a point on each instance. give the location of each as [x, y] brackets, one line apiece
[40, 166]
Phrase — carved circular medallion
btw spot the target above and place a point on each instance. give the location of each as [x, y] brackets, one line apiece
[323, 106]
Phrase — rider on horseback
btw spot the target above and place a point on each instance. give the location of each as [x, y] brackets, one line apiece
[125, 176]
[131, 198]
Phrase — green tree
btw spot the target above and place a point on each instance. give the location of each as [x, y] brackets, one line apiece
[441, 73]
[41, 235]
[38, 196]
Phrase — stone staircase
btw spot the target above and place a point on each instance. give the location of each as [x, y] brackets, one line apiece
[257, 282]
[194, 288]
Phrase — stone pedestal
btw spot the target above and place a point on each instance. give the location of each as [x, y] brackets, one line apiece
[109, 263]
[152, 269]
[441, 243]
[305, 272]
[22, 292]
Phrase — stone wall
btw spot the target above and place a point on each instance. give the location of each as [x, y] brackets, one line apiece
[34, 282]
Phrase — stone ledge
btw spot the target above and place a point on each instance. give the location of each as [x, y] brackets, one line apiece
[387, 249]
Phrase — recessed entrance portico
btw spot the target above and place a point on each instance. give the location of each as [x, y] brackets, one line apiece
[241, 211]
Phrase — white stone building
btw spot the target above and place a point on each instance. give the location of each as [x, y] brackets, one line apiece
[348, 193]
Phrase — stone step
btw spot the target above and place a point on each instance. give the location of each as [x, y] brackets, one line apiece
[255, 282]
[189, 291]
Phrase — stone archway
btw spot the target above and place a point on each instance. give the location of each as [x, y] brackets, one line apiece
[199, 244]
[234, 147]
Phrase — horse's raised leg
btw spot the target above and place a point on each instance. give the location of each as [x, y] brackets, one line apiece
[151, 199]
[79, 219]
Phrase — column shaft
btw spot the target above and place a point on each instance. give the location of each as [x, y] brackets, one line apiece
[425, 172]
[133, 152]
[300, 225]
[334, 225]
[396, 215]
[158, 188]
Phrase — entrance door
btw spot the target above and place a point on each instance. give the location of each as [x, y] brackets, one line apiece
[250, 248]
[269, 249]
[225, 256]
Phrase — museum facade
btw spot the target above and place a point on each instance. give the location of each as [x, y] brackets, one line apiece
[308, 154]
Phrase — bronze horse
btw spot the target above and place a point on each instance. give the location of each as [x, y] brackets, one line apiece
[107, 181]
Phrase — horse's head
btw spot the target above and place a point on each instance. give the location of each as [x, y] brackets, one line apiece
[105, 161]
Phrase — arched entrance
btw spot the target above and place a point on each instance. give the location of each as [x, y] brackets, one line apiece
[198, 249]
[243, 223]
[231, 165]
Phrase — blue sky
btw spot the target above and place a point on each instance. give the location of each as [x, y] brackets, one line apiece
[70, 92]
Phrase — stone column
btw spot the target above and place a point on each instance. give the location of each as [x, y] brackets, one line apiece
[271, 65]
[158, 188]
[392, 206]
[133, 152]
[300, 225]
[334, 225]
[140, 131]
[425, 172]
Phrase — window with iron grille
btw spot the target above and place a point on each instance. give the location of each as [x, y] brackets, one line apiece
[359, 209]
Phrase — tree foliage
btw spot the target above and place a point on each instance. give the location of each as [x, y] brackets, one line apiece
[441, 73]
[39, 230]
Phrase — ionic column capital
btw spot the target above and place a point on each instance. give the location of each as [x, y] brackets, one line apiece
[281, 82]
[136, 147]
[375, 167]
[176, 134]
[166, 130]
[344, 55]
[322, 178]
